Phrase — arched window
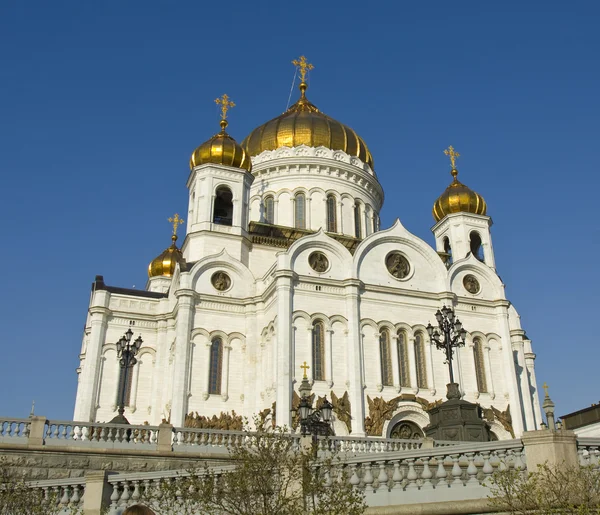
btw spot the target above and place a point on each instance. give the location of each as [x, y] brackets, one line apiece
[125, 376]
[420, 361]
[215, 367]
[331, 214]
[476, 248]
[269, 209]
[403, 359]
[357, 221]
[300, 211]
[479, 365]
[387, 378]
[223, 212]
[448, 250]
[318, 351]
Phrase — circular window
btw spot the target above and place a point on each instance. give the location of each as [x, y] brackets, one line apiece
[406, 430]
[471, 284]
[397, 265]
[318, 262]
[221, 281]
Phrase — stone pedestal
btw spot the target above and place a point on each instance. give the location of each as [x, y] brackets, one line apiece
[553, 448]
[457, 420]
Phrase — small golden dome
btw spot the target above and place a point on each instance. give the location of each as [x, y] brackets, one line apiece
[221, 149]
[458, 198]
[164, 265]
[304, 124]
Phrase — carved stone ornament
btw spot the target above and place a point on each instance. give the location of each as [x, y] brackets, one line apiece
[406, 430]
[504, 417]
[397, 265]
[224, 421]
[318, 262]
[381, 410]
[471, 284]
[221, 281]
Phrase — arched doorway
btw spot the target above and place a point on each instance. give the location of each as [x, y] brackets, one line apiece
[406, 430]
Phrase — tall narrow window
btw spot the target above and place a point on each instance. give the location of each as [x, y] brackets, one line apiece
[269, 207]
[216, 365]
[448, 250]
[420, 361]
[300, 211]
[479, 365]
[386, 358]
[126, 376]
[318, 351]
[331, 214]
[223, 211]
[476, 248]
[357, 221]
[403, 359]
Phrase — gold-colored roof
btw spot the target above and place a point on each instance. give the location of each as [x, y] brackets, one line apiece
[304, 124]
[222, 149]
[458, 198]
[164, 265]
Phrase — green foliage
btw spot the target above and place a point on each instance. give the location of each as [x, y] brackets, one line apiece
[268, 476]
[562, 490]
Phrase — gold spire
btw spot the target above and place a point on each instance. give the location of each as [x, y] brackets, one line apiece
[452, 155]
[303, 66]
[226, 104]
[305, 367]
[176, 221]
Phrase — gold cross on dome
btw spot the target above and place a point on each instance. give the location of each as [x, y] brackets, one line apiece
[452, 155]
[303, 65]
[176, 221]
[225, 103]
[545, 387]
[305, 367]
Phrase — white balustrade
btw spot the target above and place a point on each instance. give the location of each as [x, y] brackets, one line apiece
[14, 428]
[66, 493]
[588, 450]
[60, 432]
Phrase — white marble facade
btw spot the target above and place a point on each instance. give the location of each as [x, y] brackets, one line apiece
[265, 316]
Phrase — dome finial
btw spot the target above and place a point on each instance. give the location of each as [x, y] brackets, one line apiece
[176, 221]
[303, 65]
[226, 104]
[452, 154]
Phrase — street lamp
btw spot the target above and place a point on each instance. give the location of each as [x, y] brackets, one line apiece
[448, 335]
[126, 351]
[313, 421]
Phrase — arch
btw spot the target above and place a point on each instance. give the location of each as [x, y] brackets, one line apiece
[357, 220]
[406, 411]
[406, 430]
[476, 245]
[479, 365]
[300, 211]
[215, 366]
[318, 350]
[331, 204]
[387, 377]
[269, 209]
[448, 250]
[420, 363]
[223, 208]
[403, 361]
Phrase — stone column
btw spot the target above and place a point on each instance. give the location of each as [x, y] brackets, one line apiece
[284, 289]
[519, 349]
[205, 370]
[412, 363]
[225, 372]
[432, 388]
[159, 370]
[395, 362]
[530, 361]
[355, 362]
[340, 216]
[87, 393]
[181, 367]
[379, 361]
[329, 354]
[488, 372]
[310, 374]
[510, 373]
[134, 386]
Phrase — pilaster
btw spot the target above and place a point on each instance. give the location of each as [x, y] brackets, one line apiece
[284, 289]
[355, 359]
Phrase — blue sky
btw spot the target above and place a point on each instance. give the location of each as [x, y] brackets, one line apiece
[102, 104]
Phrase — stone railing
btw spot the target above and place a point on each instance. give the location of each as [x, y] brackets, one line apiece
[588, 450]
[67, 494]
[59, 432]
[366, 445]
[13, 429]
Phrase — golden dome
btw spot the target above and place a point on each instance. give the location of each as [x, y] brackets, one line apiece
[221, 149]
[458, 198]
[304, 124]
[164, 265]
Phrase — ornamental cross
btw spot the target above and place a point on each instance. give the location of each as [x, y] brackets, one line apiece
[225, 103]
[176, 221]
[305, 367]
[545, 387]
[303, 65]
[453, 155]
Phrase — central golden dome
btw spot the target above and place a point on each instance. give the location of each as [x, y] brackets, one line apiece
[304, 124]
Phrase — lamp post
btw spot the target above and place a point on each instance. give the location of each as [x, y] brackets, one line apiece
[126, 351]
[313, 421]
[448, 335]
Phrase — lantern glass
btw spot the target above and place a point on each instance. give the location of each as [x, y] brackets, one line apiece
[430, 330]
[326, 410]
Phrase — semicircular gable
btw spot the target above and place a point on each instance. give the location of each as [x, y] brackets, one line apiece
[490, 285]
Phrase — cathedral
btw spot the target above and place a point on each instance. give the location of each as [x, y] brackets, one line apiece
[284, 271]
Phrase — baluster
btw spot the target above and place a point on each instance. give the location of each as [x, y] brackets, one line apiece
[471, 469]
[368, 476]
[441, 473]
[518, 462]
[456, 470]
[125, 496]
[412, 474]
[76, 497]
[397, 477]
[114, 498]
[55, 495]
[502, 459]
[426, 474]
[175, 438]
[327, 478]
[136, 496]
[593, 456]
[104, 433]
[382, 478]
[55, 432]
[487, 470]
